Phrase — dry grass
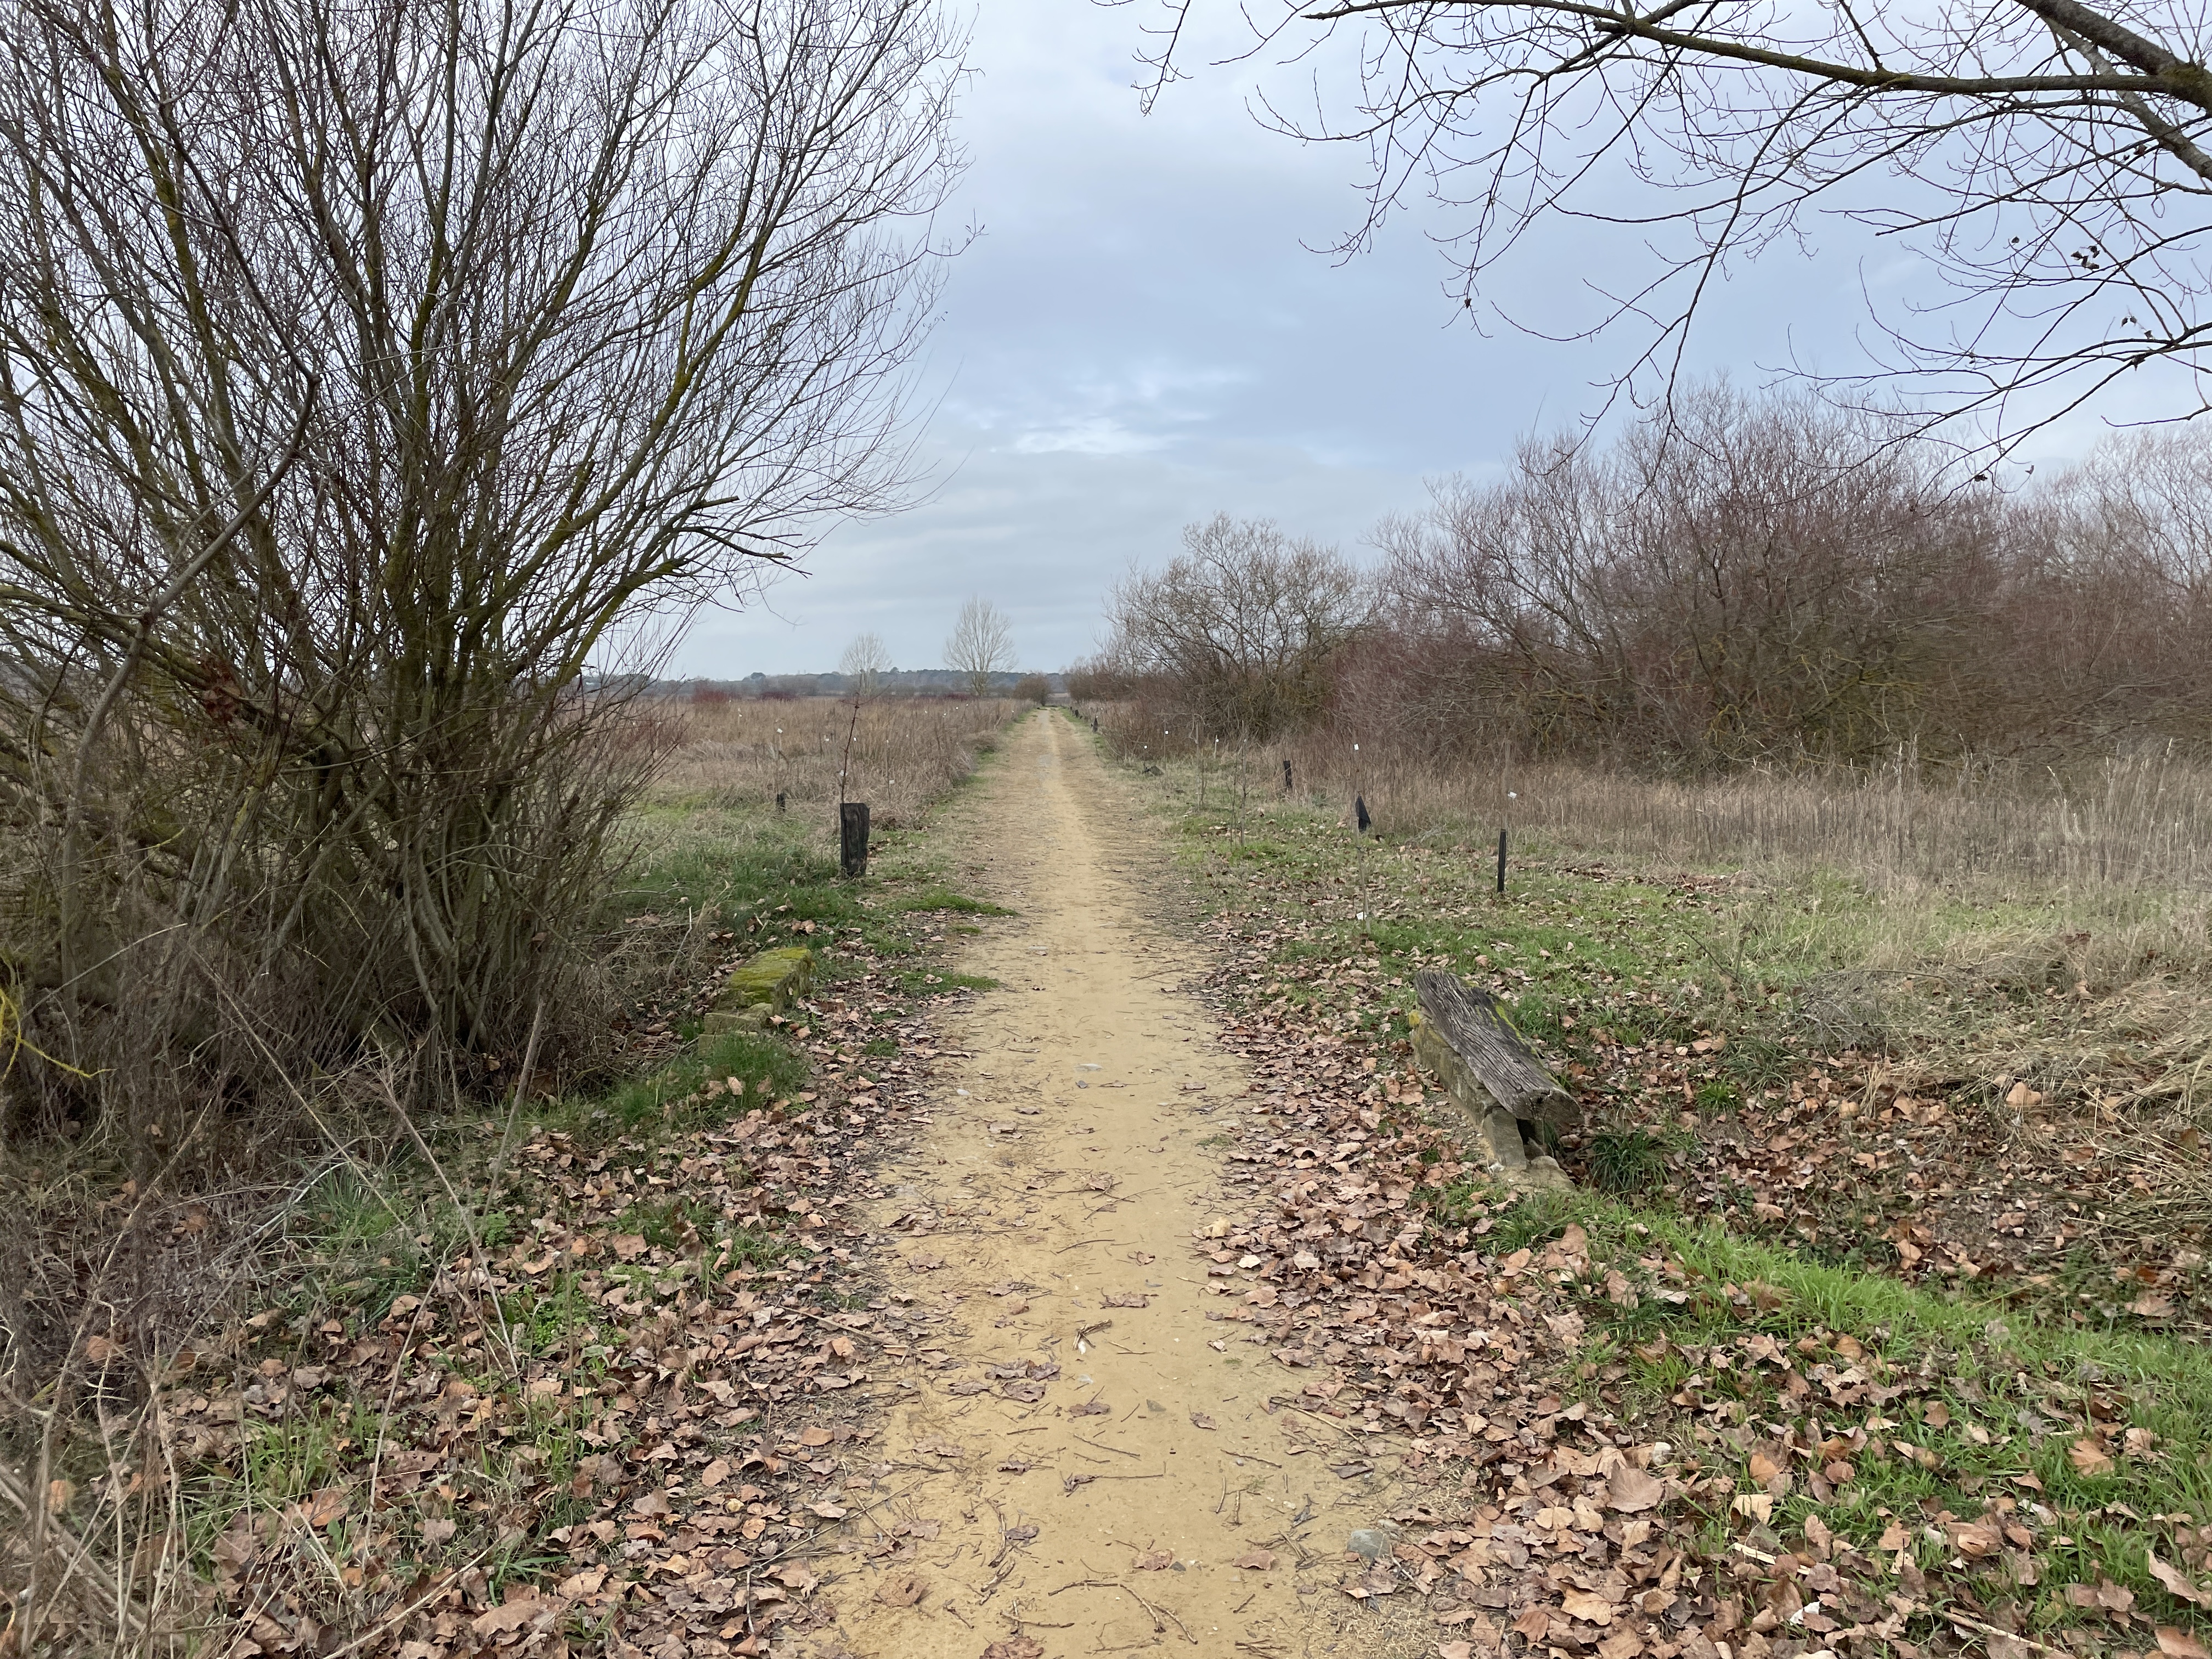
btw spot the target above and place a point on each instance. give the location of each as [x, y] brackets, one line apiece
[2005, 924]
[905, 752]
[2133, 823]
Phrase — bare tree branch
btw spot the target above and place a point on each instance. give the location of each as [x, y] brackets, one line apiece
[2048, 158]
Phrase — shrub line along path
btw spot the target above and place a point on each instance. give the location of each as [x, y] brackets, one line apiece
[1091, 1464]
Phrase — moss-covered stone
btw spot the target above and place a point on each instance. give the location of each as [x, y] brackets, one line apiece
[774, 980]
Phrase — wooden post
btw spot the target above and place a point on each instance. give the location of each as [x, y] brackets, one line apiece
[1286, 777]
[1501, 861]
[852, 837]
[779, 803]
[1359, 806]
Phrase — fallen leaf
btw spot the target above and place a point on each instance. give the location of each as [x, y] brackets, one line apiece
[2179, 1643]
[1015, 1647]
[902, 1589]
[1974, 1539]
[1201, 1420]
[1630, 1489]
[815, 1436]
[1154, 1561]
[714, 1474]
[2176, 1582]
[1257, 1560]
[2089, 1458]
[511, 1615]
[1590, 1609]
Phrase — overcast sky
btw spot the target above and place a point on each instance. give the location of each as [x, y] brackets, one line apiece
[1143, 336]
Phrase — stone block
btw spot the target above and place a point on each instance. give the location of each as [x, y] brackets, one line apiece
[771, 982]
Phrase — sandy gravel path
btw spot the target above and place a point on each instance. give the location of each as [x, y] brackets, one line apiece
[1084, 1467]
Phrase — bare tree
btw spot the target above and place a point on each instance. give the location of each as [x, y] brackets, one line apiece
[368, 376]
[865, 663]
[1244, 626]
[981, 645]
[2048, 157]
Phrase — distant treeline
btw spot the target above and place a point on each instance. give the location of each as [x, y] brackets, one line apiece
[1751, 581]
[892, 683]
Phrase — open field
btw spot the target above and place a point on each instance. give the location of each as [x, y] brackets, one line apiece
[903, 752]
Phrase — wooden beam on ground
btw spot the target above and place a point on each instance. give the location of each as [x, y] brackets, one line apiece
[1481, 1037]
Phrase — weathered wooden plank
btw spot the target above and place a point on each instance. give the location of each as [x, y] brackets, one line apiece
[1482, 1039]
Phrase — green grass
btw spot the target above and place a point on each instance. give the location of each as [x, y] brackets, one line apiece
[1627, 1160]
[1980, 1403]
[935, 898]
[770, 1067]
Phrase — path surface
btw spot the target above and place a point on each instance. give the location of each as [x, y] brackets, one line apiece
[1091, 1458]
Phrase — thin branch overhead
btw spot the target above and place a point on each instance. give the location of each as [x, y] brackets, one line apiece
[2047, 159]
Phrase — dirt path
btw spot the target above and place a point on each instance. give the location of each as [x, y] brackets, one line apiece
[1090, 1459]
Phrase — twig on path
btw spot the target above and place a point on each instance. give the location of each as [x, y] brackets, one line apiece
[1318, 1417]
[1102, 1446]
[1080, 1243]
[1991, 1629]
[1157, 1627]
[1254, 1457]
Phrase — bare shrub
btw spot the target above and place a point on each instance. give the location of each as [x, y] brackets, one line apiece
[380, 381]
[1764, 580]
